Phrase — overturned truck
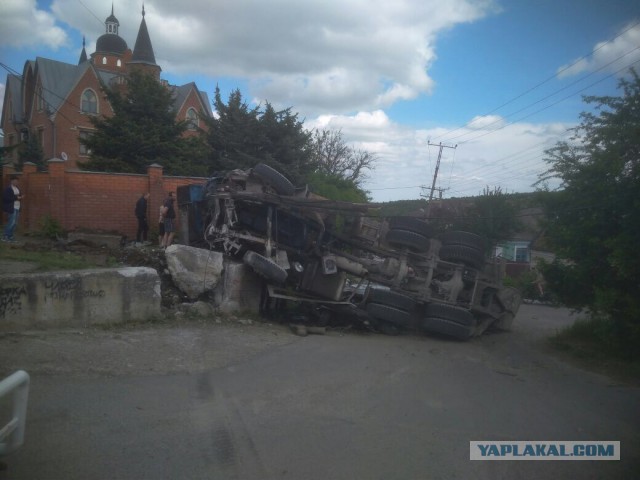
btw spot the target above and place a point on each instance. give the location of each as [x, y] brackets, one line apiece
[342, 258]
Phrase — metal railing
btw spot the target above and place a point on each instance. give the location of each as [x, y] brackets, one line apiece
[12, 434]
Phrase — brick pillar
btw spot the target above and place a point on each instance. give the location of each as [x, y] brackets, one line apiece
[57, 203]
[27, 169]
[7, 170]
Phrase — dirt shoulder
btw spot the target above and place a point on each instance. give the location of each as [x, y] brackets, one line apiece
[154, 349]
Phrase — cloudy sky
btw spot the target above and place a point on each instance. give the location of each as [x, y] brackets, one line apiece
[499, 79]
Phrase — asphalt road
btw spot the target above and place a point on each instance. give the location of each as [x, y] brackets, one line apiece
[232, 401]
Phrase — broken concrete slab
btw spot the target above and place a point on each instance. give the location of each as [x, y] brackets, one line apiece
[194, 270]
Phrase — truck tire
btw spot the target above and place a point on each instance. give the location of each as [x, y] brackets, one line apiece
[464, 239]
[391, 299]
[404, 238]
[265, 267]
[389, 314]
[461, 254]
[411, 224]
[452, 313]
[447, 327]
[275, 179]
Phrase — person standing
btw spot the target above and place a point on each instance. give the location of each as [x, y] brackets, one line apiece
[169, 219]
[11, 197]
[161, 226]
[141, 215]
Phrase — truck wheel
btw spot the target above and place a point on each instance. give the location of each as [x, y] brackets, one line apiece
[265, 267]
[450, 312]
[389, 314]
[447, 327]
[404, 238]
[461, 254]
[391, 299]
[411, 224]
[464, 239]
[275, 179]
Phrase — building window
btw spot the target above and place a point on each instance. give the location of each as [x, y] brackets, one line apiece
[522, 254]
[119, 63]
[89, 102]
[83, 135]
[192, 119]
[104, 60]
[40, 132]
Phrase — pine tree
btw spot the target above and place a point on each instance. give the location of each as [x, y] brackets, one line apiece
[142, 131]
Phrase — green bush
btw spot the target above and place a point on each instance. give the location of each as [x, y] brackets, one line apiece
[50, 227]
[596, 337]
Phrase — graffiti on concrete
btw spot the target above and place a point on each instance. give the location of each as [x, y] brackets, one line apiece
[11, 300]
[69, 288]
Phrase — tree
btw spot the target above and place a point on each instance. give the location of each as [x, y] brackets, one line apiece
[594, 220]
[31, 151]
[333, 157]
[241, 137]
[334, 187]
[492, 215]
[143, 130]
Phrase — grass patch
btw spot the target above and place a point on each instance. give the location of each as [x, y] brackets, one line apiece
[594, 343]
[46, 261]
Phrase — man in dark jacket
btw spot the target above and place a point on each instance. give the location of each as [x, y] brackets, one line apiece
[11, 197]
[141, 215]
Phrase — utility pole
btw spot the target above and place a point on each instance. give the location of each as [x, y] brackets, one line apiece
[435, 174]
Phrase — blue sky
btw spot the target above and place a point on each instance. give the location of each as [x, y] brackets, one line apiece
[392, 76]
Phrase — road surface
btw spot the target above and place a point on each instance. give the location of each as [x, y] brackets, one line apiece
[238, 401]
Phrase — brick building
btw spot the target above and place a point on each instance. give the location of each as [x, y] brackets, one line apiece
[55, 100]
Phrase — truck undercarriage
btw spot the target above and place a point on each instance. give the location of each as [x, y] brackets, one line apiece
[340, 256]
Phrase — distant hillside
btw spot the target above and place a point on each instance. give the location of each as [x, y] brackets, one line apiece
[412, 207]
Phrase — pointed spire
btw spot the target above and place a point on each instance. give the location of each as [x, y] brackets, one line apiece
[143, 51]
[83, 54]
[112, 23]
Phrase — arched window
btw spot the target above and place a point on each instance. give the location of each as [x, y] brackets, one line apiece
[104, 60]
[192, 119]
[89, 102]
[119, 63]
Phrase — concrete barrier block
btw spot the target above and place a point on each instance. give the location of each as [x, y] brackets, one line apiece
[78, 298]
[240, 290]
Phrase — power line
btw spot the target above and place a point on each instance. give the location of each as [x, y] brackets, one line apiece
[64, 100]
[91, 12]
[548, 79]
[555, 93]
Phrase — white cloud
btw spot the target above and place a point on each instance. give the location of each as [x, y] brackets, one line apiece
[611, 56]
[328, 59]
[22, 24]
[406, 160]
[321, 56]
[482, 122]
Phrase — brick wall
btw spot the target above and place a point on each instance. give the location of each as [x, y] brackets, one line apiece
[93, 201]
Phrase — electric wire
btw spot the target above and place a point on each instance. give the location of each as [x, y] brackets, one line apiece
[548, 79]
